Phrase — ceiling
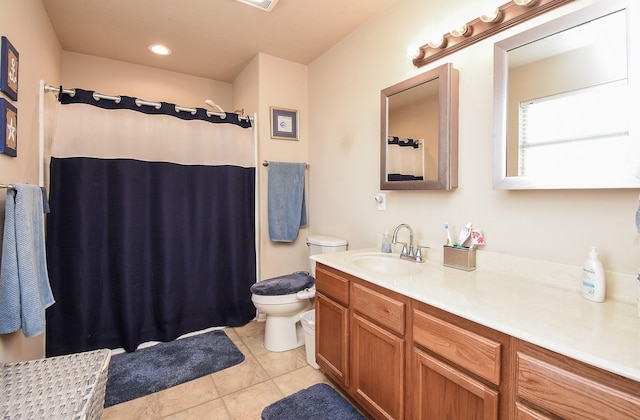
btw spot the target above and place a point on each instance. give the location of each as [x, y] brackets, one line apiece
[214, 39]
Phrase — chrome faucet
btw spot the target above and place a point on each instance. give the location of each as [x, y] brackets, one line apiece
[405, 252]
[408, 253]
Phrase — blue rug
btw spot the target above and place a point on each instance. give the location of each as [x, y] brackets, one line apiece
[152, 369]
[318, 402]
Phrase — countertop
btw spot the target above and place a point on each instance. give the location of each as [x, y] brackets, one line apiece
[535, 301]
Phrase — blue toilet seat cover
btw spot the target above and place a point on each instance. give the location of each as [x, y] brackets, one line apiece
[283, 285]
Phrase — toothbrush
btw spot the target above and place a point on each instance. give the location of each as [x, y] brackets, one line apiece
[449, 241]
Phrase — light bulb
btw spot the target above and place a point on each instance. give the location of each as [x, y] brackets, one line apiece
[413, 52]
[492, 16]
[437, 42]
[523, 2]
[459, 30]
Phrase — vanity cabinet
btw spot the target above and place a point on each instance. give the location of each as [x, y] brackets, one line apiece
[457, 368]
[378, 349]
[550, 385]
[399, 358]
[332, 323]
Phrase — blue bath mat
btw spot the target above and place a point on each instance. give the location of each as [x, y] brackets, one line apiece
[152, 369]
[318, 402]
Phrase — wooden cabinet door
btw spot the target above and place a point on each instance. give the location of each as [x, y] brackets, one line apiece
[443, 392]
[378, 369]
[332, 338]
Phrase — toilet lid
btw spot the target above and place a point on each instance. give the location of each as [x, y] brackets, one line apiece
[283, 285]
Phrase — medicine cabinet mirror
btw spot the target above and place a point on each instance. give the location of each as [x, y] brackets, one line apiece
[419, 132]
[562, 102]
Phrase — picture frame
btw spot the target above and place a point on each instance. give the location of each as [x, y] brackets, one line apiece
[284, 123]
[9, 69]
[9, 127]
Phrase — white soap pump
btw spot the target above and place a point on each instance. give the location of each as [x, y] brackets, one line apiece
[593, 280]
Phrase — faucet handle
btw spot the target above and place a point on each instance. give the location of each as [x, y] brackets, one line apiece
[419, 249]
[411, 254]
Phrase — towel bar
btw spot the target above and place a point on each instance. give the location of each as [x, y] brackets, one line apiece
[266, 163]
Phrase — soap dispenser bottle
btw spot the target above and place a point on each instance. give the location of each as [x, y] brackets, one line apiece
[386, 245]
[593, 280]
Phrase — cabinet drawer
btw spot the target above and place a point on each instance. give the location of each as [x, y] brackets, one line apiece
[525, 413]
[383, 310]
[332, 284]
[471, 351]
[569, 395]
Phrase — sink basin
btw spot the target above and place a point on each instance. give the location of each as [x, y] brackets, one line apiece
[382, 263]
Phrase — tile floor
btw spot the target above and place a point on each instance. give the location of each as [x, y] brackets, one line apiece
[239, 392]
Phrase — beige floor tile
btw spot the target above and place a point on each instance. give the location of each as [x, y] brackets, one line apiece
[299, 379]
[279, 363]
[214, 410]
[249, 403]
[246, 374]
[236, 339]
[189, 394]
[250, 329]
[145, 408]
[255, 343]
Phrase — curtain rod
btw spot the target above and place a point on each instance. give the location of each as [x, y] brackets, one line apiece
[7, 186]
[97, 96]
[266, 163]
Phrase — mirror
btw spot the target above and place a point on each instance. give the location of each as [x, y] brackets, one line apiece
[562, 101]
[419, 132]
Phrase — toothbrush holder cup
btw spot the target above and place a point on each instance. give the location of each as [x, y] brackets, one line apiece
[460, 258]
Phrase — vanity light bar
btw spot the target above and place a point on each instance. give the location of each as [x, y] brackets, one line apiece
[505, 16]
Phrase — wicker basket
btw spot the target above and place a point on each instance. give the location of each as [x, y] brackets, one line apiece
[62, 387]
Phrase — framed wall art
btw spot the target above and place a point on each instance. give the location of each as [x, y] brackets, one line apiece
[9, 65]
[9, 127]
[284, 124]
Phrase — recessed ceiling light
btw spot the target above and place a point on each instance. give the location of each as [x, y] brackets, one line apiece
[159, 49]
[266, 5]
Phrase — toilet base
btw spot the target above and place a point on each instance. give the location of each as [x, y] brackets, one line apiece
[284, 333]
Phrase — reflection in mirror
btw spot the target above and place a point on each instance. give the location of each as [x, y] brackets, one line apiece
[562, 104]
[419, 132]
[412, 140]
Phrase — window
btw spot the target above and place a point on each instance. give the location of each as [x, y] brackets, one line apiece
[550, 146]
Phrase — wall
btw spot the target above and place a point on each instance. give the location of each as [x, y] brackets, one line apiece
[27, 26]
[344, 89]
[282, 84]
[112, 77]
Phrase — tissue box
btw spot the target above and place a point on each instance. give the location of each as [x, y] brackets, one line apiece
[460, 258]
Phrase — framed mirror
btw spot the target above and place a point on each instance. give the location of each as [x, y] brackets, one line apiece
[419, 132]
[562, 104]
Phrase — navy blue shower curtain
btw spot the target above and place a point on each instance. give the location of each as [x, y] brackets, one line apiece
[142, 250]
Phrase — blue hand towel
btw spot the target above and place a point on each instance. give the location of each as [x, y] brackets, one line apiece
[286, 200]
[24, 282]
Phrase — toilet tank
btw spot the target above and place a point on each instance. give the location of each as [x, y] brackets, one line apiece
[320, 244]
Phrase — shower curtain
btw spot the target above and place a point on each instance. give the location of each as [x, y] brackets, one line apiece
[151, 233]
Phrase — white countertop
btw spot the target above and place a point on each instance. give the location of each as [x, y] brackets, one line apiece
[535, 301]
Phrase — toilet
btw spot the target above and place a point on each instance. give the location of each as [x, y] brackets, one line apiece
[285, 298]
